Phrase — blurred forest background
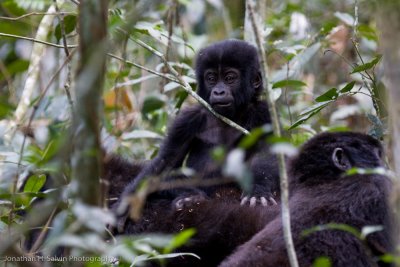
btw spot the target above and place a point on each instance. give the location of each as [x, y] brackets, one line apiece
[113, 73]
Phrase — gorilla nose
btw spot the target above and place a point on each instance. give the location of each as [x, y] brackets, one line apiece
[219, 93]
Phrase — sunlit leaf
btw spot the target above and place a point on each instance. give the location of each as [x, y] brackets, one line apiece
[35, 183]
[252, 138]
[333, 226]
[367, 230]
[236, 168]
[345, 17]
[322, 262]
[139, 134]
[179, 240]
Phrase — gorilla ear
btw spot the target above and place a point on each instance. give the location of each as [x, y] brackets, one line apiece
[340, 159]
[257, 82]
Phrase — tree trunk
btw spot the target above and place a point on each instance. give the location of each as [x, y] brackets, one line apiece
[86, 161]
[389, 26]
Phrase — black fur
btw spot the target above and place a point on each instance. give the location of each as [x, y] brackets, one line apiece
[117, 173]
[322, 194]
[221, 225]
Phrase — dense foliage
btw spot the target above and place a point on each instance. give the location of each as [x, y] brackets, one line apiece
[324, 72]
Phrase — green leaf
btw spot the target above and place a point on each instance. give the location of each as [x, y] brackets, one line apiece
[367, 32]
[368, 65]
[21, 199]
[69, 26]
[15, 67]
[35, 183]
[322, 262]
[309, 112]
[5, 108]
[179, 240]
[152, 103]
[288, 83]
[367, 230]
[314, 107]
[252, 138]
[347, 87]
[331, 94]
[333, 226]
[12, 9]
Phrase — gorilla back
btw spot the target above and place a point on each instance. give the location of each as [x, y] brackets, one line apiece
[322, 195]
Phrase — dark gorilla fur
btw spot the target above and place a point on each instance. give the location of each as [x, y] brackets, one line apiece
[117, 173]
[322, 194]
[228, 75]
[221, 225]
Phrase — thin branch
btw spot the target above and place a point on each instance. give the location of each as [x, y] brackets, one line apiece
[67, 84]
[186, 86]
[7, 77]
[36, 14]
[166, 76]
[356, 47]
[277, 131]
[170, 23]
[43, 233]
[35, 40]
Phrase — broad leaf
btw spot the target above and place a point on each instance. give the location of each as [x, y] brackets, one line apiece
[331, 94]
[288, 83]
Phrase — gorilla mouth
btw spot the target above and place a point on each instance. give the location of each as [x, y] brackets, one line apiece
[222, 105]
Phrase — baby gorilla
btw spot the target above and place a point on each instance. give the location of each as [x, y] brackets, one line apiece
[322, 193]
[229, 79]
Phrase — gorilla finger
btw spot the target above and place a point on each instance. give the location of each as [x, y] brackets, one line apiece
[273, 201]
[253, 201]
[264, 201]
[244, 201]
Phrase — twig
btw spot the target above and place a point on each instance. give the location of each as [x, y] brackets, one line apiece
[166, 76]
[36, 14]
[169, 77]
[186, 86]
[42, 234]
[356, 47]
[35, 40]
[116, 91]
[67, 84]
[170, 22]
[277, 131]
[7, 77]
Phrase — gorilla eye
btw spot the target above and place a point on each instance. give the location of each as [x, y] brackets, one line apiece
[211, 78]
[230, 77]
